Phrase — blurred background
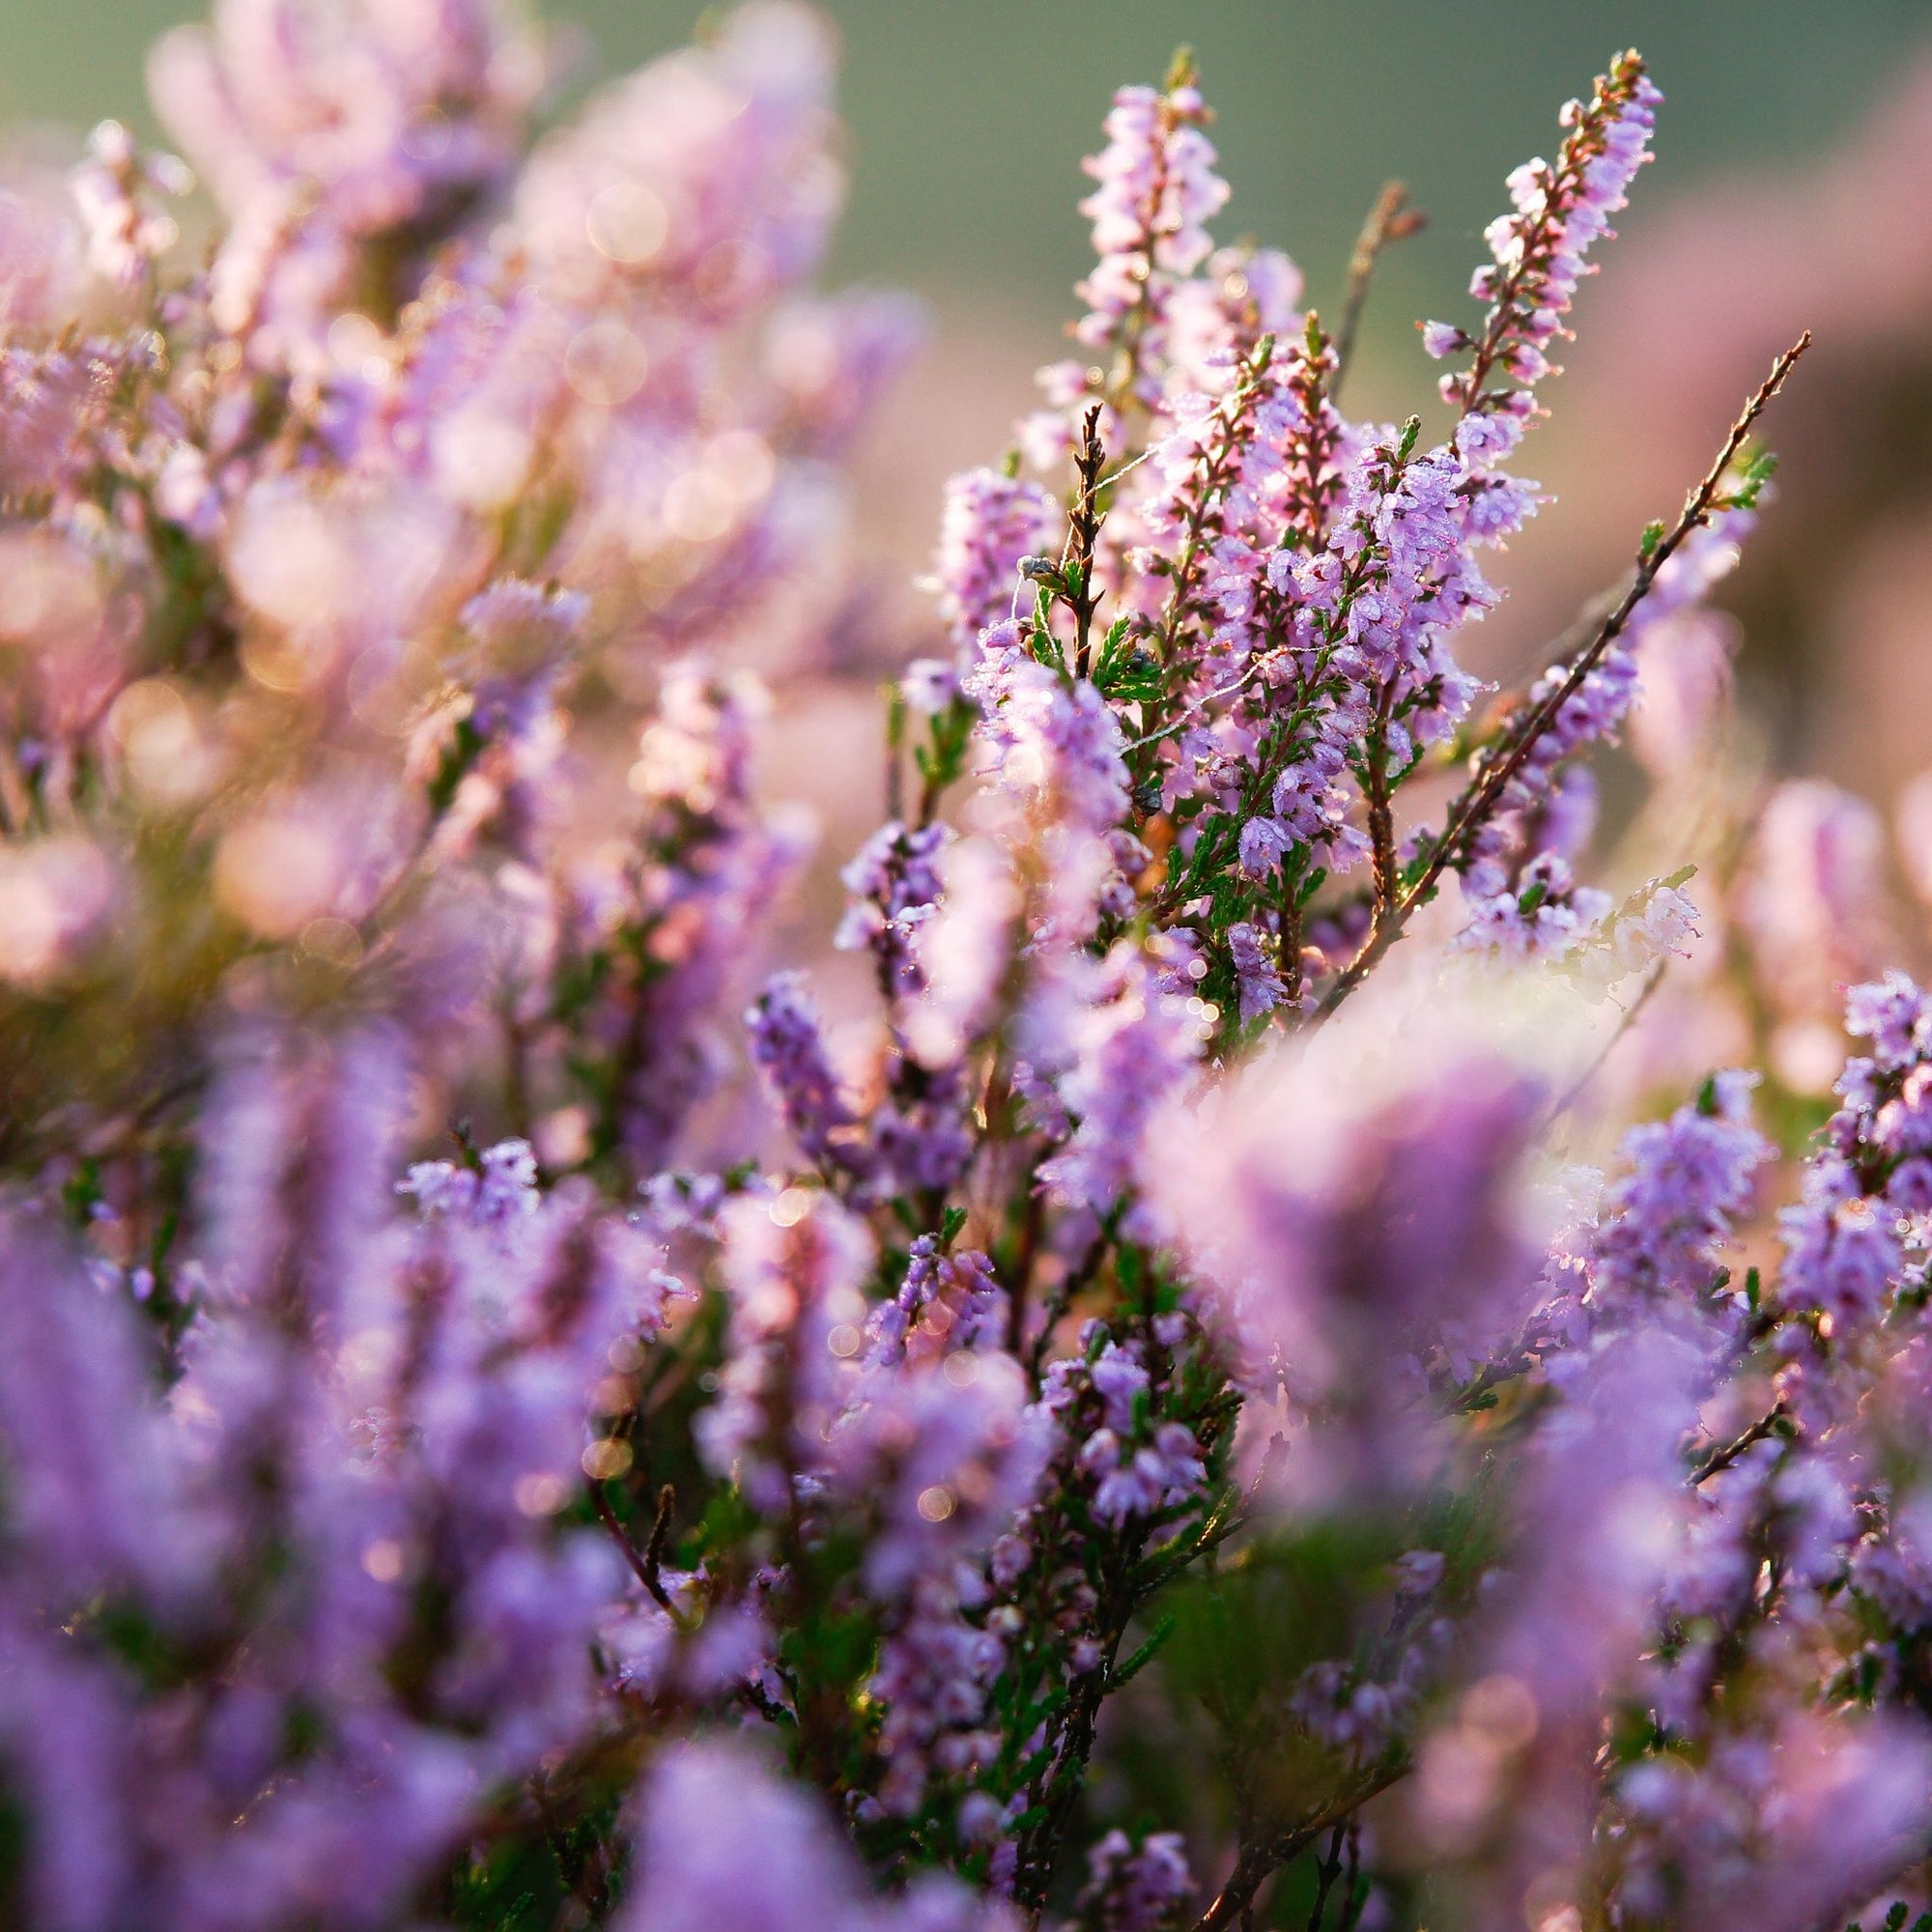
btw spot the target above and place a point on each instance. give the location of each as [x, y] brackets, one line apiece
[1793, 188]
[968, 121]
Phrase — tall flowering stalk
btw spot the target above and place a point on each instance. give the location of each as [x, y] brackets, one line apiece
[1156, 1433]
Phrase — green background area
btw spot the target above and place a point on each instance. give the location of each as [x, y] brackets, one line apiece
[968, 117]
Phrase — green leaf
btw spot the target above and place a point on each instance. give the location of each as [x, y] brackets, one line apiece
[1757, 469]
[1145, 1652]
[1043, 646]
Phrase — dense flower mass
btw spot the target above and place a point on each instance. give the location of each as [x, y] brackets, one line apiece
[511, 1417]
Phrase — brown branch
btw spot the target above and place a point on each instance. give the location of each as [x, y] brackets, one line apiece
[647, 1568]
[1486, 791]
[1084, 526]
[1329, 1870]
[1721, 1459]
[1390, 220]
[1258, 1863]
[1382, 816]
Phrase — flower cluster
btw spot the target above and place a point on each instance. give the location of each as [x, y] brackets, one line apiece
[1156, 1428]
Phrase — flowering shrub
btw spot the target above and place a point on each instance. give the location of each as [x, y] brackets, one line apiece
[1164, 1430]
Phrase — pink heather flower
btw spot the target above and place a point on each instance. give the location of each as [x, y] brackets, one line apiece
[1560, 212]
[894, 887]
[1155, 190]
[1260, 985]
[1842, 1256]
[1665, 925]
[1688, 1180]
[726, 1841]
[928, 686]
[947, 1302]
[1216, 317]
[788, 1049]
[1781, 1827]
[989, 524]
[1055, 747]
[1684, 679]
[1136, 1887]
[947, 1457]
[1262, 846]
[57, 895]
[1390, 1215]
[501, 1188]
[385, 109]
[1810, 897]
[937, 1669]
[1845, 1242]
[1132, 1046]
[384, 1505]
[1892, 1013]
[706, 173]
[793, 1265]
[1545, 913]
[113, 190]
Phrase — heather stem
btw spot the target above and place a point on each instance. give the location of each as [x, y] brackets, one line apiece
[1482, 798]
[1258, 1863]
[1391, 219]
[1083, 536]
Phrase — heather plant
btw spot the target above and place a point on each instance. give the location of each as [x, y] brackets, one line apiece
[1280, 1382]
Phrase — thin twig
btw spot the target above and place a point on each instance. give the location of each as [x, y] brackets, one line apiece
[1356, 1894]
[1486, 792]
[1327, 1873]
[1083, 536]
[1256, 1864]
[660, 1531]
[1722, 1458]
[647, 1568]
[1390, 220]
[1382, 816]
